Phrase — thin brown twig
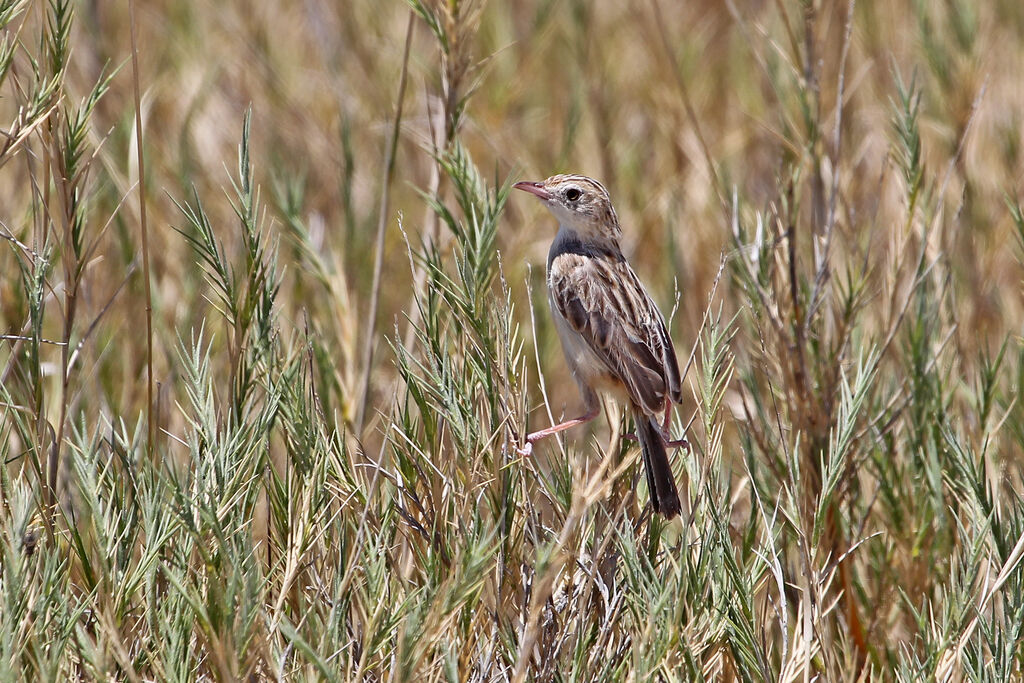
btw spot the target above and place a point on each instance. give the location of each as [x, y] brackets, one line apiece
[837, 140]
[382, 222]
[136, 93]
[99, 316]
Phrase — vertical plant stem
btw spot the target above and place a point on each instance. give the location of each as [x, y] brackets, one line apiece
[151, 425]
[382, 222]
[666, 44]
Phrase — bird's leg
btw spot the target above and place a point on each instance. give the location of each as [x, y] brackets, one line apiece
[593, 410]
[666, 434]
[664, 429]
[669, 443]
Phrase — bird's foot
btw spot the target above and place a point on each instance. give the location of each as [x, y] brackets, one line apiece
[674, 443]
[669, 442]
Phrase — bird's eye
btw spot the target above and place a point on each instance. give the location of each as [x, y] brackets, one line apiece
[572, 194]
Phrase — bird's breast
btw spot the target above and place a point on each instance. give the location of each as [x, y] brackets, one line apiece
[586, 366]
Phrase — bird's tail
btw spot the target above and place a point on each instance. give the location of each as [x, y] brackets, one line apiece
[662, 485]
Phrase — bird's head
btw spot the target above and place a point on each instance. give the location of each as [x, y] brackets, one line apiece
[580, 204]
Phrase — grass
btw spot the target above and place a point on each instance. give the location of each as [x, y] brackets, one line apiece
[308, 468]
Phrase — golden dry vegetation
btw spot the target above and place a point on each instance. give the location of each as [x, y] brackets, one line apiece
[349, 337]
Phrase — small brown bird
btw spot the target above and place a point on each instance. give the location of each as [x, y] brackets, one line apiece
[613, 335]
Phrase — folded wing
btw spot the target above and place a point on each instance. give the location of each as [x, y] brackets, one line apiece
[603, 300]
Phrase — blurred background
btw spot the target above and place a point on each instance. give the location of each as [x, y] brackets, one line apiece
[593, 87]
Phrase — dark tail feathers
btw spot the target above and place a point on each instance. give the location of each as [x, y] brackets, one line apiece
[664, 496]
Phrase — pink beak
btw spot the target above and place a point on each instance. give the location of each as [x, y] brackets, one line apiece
[533, 188]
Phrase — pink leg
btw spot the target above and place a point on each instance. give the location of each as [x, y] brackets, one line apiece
[665, 429]
[568, 424]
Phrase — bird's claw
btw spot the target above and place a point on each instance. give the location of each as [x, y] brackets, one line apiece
[526, 450]
[669, 443]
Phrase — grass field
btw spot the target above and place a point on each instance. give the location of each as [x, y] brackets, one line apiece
[261, 385]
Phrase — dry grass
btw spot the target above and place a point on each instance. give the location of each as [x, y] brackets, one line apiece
[329, 487]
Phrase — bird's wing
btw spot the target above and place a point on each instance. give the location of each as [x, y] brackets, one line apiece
[602, 300]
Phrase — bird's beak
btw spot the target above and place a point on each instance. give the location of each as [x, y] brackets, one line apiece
[533, 188]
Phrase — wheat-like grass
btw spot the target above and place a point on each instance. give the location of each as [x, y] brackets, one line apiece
[347, 341]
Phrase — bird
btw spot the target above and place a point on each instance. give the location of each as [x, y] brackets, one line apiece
[613, 335]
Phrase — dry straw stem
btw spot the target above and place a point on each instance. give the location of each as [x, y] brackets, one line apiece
[144, 231]
[382, 222]
[541, 587]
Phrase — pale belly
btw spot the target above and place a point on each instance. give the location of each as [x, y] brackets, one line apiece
[586, 366]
